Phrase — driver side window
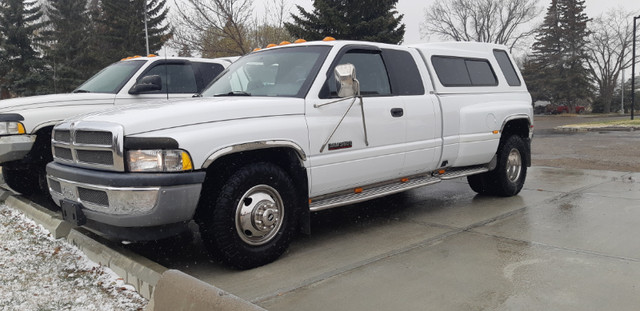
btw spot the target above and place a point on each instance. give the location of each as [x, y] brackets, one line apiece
[370, 72]
[180, 78]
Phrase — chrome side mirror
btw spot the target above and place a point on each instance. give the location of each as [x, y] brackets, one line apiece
[347, 84]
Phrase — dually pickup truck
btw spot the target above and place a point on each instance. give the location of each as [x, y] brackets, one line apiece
[26, 123]
[294, 129]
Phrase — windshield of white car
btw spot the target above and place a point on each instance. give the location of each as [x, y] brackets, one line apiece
[111, 79]
[282, 72]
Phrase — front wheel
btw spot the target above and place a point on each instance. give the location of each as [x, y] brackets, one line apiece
[253, 219]
[26, 180]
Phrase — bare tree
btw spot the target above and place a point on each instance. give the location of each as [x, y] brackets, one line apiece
[496, 21]
[270, 27]
[609, 51]
[213, 27]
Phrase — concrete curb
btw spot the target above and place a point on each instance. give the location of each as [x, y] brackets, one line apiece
[596, 129]
[165, 289]
[178, 291]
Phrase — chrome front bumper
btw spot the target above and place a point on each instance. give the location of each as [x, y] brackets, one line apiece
[139, 205]
[15, 147]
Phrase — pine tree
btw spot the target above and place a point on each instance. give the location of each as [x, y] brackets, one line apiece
[121, 31]
[22, 71]
[557, 69]
[70, 53]
[368, 20]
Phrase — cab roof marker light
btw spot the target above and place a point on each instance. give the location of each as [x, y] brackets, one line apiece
[329, 39]
[300, 41]
[152, 55]
[257, 49]
[270, 45]
[285, 42]
[136, 56]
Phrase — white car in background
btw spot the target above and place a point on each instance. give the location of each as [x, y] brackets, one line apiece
[26, 123]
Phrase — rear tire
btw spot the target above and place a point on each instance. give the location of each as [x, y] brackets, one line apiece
[253, 219]
[507, 179]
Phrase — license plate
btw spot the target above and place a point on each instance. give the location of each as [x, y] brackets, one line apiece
[72, 212]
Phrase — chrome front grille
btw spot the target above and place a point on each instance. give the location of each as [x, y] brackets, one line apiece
[95, 145]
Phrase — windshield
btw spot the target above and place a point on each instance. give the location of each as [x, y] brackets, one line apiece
[112, 78]
[285, 72]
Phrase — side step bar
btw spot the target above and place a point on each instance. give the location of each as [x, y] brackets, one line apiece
[386, 188]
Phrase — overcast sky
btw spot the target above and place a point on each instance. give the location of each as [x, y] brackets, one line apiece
[413, 11]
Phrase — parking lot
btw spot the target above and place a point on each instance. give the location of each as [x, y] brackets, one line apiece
[566, 242]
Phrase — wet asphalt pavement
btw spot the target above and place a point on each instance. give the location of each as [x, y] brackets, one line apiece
[566, 242]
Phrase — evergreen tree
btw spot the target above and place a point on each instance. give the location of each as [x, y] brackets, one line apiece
[557, 69]
[369, 20]
[121, 30]
[70, 54]
[22, 71]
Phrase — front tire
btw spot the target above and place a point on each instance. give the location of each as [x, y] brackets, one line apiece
[26, 180]
[253, 219]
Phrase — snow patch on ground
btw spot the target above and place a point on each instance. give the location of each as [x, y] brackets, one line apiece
[38, 272]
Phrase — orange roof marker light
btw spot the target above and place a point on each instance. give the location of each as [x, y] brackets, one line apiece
[152, 55]
[270, 45]
[257, 49]
[300, 41]
[136, 56]
[285, 42]
[329, 39]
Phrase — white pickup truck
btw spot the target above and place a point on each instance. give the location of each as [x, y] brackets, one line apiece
[294, 129]
[26, 123]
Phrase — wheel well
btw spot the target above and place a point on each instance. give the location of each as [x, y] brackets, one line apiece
[520, 127]
[41, 150]
[221, 169]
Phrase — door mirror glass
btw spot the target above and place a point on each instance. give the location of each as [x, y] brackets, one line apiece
[147, 84]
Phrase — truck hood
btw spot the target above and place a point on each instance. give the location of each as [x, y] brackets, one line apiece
[153, 116]
[43, 101]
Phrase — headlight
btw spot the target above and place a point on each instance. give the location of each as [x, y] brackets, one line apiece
[159, 161]
[11, 128]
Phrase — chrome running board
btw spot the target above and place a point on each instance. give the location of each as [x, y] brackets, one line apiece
[386, 188]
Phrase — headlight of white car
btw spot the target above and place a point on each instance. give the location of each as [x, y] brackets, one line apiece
[11, 128]
[159, 161]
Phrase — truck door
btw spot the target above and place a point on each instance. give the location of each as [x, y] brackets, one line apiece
[355, 153]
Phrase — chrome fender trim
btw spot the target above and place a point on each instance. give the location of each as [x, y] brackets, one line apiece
[256, 145]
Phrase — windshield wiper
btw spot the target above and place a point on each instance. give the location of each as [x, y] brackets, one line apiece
[233, 93]
[81, 91]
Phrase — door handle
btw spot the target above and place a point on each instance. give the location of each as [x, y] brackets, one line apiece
[397, 112]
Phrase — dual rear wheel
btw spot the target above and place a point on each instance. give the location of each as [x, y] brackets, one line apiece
[507, 179]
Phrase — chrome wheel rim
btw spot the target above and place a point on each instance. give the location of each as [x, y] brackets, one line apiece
[259, 215]
[514, 165]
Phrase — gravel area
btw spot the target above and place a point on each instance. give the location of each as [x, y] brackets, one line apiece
[40, 273]
[606, 149]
